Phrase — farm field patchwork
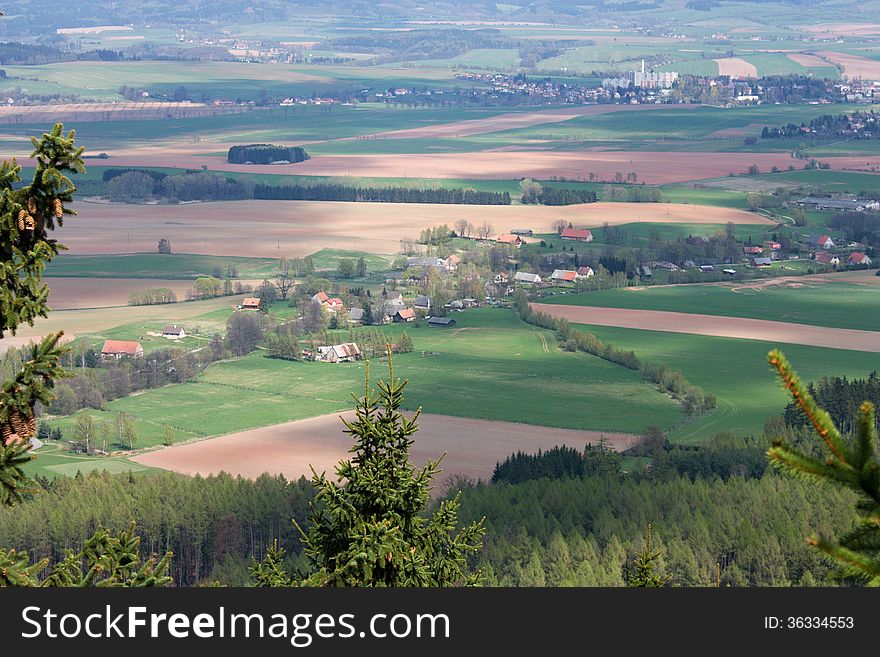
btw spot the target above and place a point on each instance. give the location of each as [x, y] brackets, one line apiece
[716, 325]
[469, 448]
[736, 372]
[451, 372]
[271, 229]
[851, 302]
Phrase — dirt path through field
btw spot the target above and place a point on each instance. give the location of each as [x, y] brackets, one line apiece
[727, 327]
[473, 447]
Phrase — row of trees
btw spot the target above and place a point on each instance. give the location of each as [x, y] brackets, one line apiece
[535, 192]
[139, 186]
[152, 297]
[673, 382]
[339, 192]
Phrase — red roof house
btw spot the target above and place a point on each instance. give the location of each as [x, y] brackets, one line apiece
[120, 348]
[578, 234]
[251, 303]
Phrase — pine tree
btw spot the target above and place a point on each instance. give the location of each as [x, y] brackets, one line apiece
[851, 463]
[642, 573]
[368, 528]
[26, 217]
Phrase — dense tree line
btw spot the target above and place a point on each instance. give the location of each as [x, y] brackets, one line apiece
[337, 192]
[152, 297]
[565, 196]
[858, 125]
[841, 397]
[858, 226]
[213, 525]
[581, 531]
[142, 185]
[266, 154]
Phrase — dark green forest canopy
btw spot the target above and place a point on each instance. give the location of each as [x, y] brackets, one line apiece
[546, 531]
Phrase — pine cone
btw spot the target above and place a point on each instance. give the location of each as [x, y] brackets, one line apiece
[21, 215]
[29, 223]
[7, 432]
[24, 426]
[59, 209]
[32, 205]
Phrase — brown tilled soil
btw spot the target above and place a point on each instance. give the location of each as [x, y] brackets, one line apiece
[655, 167]
[286, 228]
[736, 68]
[805, 59]
[473, 447]
[72, 293]
[727, 327]
[854, 65]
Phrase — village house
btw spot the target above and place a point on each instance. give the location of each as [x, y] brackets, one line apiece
[332, 304]
[526, 277]
[451, 263]
[525, 232]
[857, 259]
[773, 246]
[441, 322]
[173, 332]
[820, 241]
[827, 258]
[512, 240]
[500, 278]
[753, 250]
[761, 263]
[392, 295]
[563, 276]
[118, 349]
[585, 272]
[355, 315]
[405, 315]
[577, 234]
[422, 303]
[339, 353]
[250, 303]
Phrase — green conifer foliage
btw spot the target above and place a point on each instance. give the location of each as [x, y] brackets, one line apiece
[642, 573]
[851, 463]
[26, 217]
[368, 527]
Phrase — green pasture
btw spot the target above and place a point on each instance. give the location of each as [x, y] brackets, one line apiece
[490, 366]
[735, 371]
[54, 460]
[157, 265]
[833, 304]
[831, 180]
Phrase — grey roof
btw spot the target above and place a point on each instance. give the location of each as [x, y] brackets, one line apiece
[422, 301]
[441, 321]
[763, 261]
[356, 314]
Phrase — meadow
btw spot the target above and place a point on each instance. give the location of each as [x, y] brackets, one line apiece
[815, 300]
[736, 372]
[491, 366]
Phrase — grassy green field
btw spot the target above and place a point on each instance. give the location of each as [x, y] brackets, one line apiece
[229, 80]
[830, 180]
[491, 366]
[833, 304]
[736, 372]
[156, 265]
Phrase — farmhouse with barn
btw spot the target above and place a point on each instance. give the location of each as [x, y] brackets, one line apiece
[509, 239]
